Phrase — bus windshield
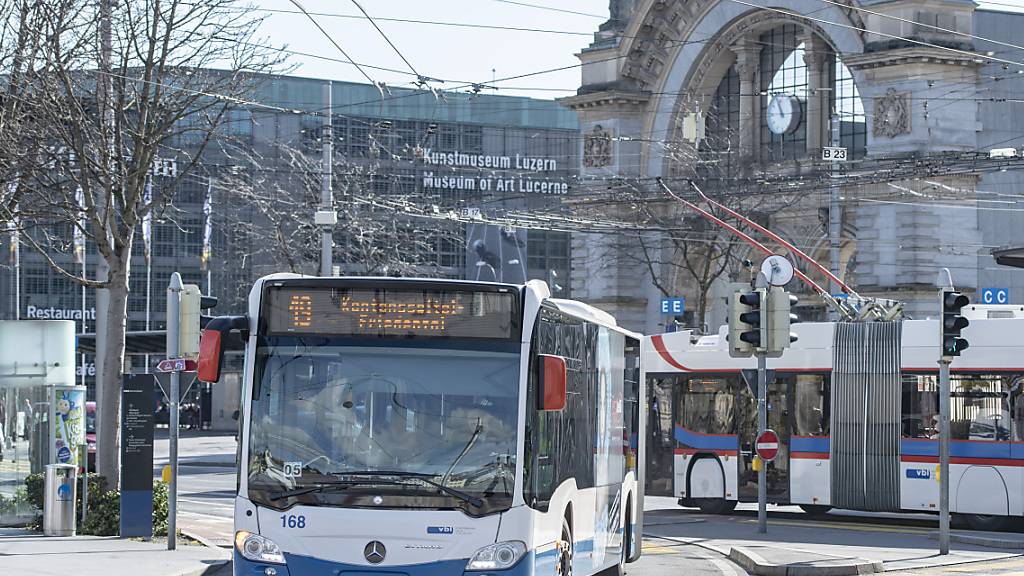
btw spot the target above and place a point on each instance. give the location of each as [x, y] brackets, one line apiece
[365, 417]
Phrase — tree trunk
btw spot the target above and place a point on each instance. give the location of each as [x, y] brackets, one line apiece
[109, 371]
[702, 308]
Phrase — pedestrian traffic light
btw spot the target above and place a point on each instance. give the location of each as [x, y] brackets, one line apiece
[746, 321]
[952, 322]
[780, 318]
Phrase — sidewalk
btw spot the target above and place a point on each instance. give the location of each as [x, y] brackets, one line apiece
[23, 552]
[821, 546]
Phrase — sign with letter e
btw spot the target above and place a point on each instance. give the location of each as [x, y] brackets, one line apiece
[672, 306]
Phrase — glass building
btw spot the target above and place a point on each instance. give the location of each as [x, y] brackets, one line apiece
[248, 208]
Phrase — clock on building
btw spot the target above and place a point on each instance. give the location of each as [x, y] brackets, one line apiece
[785, 111]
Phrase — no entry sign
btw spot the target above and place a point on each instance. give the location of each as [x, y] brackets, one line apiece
[767, 445]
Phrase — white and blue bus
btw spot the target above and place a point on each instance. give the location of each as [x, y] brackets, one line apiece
[432, 427]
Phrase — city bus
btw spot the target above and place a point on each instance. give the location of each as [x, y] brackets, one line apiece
[856, 411]
[429, 427]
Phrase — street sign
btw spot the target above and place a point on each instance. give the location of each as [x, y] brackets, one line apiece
[767, 445]
[673, 306]
[777, 270]
[834, 154]
[995, 295]
[176, 365]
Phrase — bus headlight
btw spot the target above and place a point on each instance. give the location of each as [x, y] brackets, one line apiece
[258, 548]
[497, 556]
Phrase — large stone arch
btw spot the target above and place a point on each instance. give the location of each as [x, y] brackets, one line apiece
[677, 48]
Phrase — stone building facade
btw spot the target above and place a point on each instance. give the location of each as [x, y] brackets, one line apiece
[745, 89]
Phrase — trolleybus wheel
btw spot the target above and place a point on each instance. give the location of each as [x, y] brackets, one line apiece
[815, 509]
[986, 522]
[716, 505]
[566, 548]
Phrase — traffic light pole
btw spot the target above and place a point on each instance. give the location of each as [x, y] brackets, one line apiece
[173, 320]
[762, 425]
[944, 393]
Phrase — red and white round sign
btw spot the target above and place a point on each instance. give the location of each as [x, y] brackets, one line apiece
[767, 445]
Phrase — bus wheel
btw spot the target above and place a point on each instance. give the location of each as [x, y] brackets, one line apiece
[815, 509]
[565, 548]
[627, 540]
[986, 522]
[716, 505]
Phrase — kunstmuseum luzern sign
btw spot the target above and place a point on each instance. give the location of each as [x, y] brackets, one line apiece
[521, 180]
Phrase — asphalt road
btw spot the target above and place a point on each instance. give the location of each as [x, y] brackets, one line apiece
[207, 484]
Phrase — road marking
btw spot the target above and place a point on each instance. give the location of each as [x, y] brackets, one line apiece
[846, 526]
[725, 566]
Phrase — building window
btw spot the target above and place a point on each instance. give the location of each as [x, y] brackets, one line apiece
[722, 136]
[783, 72]
[847, 103]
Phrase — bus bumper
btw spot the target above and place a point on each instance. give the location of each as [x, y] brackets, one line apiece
[306, 566]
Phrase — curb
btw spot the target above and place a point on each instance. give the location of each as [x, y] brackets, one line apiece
[210, 567]
[204, 541]
[753, 563]
[981, 541]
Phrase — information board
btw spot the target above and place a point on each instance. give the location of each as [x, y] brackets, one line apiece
[390, 312]
[137, 419]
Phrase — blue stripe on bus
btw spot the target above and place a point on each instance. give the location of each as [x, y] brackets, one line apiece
[706, 441]
[798, 444]
[960, 449]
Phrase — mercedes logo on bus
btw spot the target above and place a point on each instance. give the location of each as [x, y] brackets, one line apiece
[375, 552]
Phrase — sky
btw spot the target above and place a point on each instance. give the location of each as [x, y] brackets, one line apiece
[456, 54]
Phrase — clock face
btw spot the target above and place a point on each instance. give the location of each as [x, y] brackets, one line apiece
[784, 113]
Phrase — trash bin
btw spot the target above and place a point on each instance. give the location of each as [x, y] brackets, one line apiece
[59, 500]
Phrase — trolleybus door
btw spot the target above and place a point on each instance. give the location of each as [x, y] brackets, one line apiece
[778, 420]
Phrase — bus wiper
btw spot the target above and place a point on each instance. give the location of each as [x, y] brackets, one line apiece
[318, 487]
[425, 479]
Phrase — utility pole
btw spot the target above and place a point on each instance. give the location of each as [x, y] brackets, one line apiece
[326, 217]
[173, 320]
[944, 363]
[835, 215]
[762, 425]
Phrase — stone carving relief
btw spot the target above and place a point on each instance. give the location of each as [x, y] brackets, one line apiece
[597, 148]
[892, 114]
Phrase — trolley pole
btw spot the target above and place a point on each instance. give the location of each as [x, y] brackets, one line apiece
[762, 425]
[173, 305]
[944, 363]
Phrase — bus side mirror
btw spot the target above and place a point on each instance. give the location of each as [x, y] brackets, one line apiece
[211, 345]
[551, 379]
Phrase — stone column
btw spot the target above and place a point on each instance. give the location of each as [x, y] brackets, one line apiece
[747, 62]
[819, 91]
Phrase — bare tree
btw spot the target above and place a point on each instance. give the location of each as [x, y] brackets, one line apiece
[270, 216]
[113, 91]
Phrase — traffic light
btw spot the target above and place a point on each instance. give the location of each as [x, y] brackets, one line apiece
[780, 318]
[952, 322]
[188, 325]
[746, 321]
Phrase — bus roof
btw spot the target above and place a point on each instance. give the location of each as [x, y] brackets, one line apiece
[995, 345]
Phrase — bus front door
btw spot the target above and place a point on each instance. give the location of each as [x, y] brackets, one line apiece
[778, 420]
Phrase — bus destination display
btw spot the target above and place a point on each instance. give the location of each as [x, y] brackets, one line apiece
[362, 312]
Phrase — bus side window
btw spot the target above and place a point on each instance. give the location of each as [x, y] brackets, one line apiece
[979, 407]
[812, 404]
[920, 406]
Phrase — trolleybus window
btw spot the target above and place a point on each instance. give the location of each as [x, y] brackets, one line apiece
[706, 404]
[812, 404]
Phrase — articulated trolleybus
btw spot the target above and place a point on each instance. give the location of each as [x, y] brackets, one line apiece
[856, 410]
[432, 427]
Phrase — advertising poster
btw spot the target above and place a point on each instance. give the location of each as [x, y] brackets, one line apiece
[68, 419]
